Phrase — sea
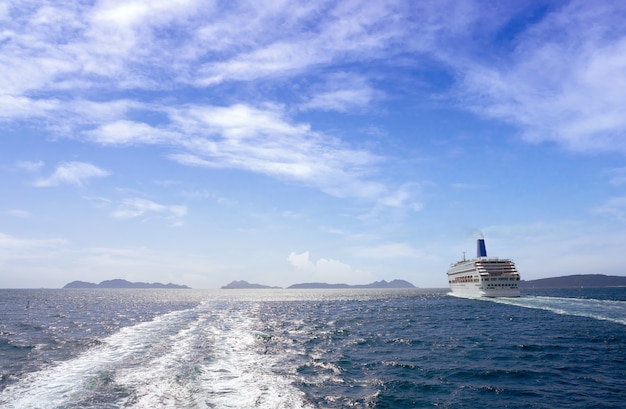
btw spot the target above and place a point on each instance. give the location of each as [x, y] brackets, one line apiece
[332, 348]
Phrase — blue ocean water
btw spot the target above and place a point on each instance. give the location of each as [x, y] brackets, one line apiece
[311, 349]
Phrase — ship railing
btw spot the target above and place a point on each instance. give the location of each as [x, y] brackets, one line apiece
[494, 259]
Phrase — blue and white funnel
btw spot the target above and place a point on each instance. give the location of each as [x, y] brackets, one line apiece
[481, 250]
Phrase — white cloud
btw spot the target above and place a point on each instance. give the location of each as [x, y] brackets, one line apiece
[341, 100]
[12, 247]
[132, 208]
[30, 166]
[69, 44]
[300, 261]
[98, 202]
[402, 197]
[236, 122]
[351, 30]
[31, 35]
[18, 213]
[21, 107]
[615, 208]
[117, 46]
[73, 173]
[274, 59]
[328, 270]
[123, 132]
[257, 139]
[86, 113]
[120, 45]
[343, 93]
[618, 176]
[123, 39]
[264, 141]
[565, 81]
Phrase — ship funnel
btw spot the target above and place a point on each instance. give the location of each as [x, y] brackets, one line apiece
[481, 250]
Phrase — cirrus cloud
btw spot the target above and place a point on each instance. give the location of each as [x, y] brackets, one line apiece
[564, 80]
[13, 247]
[132, 208]
[72, 173]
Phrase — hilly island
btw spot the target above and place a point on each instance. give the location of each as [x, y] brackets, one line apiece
[117, 283]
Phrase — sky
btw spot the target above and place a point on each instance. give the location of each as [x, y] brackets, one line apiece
[279, 142]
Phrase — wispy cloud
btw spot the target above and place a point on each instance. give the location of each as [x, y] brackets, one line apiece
[18, 213]
[258, 139]
[615, 208]
[343, 92]
[98, 202]
[130, 45]
[20, 107]
[560, 80]
[145, 209]
[564, 82]
[13, 247]
[124, 132]
[469, 186]
[30, 166]
[352, 30]
[263, 140]
[618, 176]
[72, 173]
[139, 44]
[403, 197]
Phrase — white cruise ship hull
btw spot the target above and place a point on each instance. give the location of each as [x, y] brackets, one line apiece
[474, 290]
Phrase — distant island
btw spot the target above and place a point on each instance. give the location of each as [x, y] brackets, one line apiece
[118, 283]
[576, 281]
[377, 284]
[244, 284]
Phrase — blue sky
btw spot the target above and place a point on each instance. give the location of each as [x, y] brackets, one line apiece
[200, 142]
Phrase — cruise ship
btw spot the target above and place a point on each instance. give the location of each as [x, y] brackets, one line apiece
[484, 276]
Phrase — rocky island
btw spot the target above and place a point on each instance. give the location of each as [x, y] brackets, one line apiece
[244, 284]
[117, 283]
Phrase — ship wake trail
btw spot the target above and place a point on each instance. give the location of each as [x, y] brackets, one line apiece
[607, 310]
[207, 356]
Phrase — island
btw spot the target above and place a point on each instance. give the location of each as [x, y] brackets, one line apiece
[576, 281]
[118, 283]
[394, 284]
[376, 284]
[244, 284]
